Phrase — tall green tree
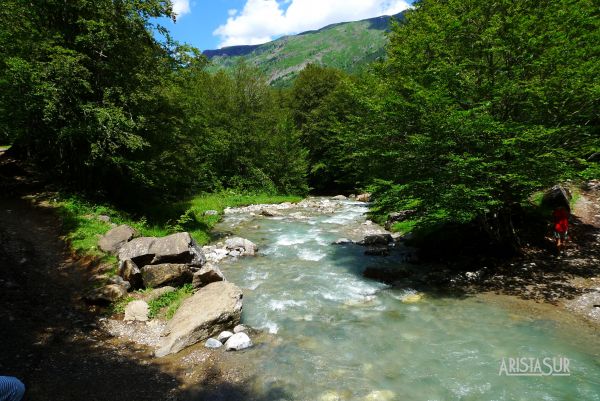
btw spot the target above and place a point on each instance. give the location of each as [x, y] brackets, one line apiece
[81, 88]
[241, 135]
[497, 99]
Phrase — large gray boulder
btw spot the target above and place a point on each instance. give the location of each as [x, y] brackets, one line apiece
[209, 273]
[241, 245]
[212, 309]
[114, 239]
[166, 273]
[174, 248]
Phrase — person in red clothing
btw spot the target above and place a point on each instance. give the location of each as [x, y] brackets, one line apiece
[561, 226]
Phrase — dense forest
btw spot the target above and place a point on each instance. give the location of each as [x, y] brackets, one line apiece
[476, 105]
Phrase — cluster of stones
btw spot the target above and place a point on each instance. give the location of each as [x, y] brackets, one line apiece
[165, 262]
[232, 341]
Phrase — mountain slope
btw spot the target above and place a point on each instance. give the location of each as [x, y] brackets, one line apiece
[347, 45]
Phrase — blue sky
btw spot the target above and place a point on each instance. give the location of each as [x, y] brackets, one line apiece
[210, 24]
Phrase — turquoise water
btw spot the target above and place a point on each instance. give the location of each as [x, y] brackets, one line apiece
[339, 336]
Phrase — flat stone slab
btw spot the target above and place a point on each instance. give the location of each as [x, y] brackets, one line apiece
[174, 248]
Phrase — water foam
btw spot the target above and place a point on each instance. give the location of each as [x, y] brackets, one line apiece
[307, 254]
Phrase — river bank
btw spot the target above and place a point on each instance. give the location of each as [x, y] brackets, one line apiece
[311, 304]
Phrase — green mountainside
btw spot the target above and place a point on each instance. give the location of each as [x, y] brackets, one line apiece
[348, 46]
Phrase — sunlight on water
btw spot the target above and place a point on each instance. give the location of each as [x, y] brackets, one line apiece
[343, 337]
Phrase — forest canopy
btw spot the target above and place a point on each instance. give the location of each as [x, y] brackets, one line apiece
[476, 105]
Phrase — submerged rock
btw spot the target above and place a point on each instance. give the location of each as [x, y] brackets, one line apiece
[214, 254]
[331, 396]
[209, 311]
[114, 239]
[238, 341]
[381, 395]
[136, 311]
[377, 239]
[413, 298]
[378, 251]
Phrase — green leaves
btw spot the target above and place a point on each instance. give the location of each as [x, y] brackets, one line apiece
[495, 91]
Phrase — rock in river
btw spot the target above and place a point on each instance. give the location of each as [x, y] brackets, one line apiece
[238, 341]
[213, 343]
[242, 245]
[209, 311]
[240, 328]
[224, 336]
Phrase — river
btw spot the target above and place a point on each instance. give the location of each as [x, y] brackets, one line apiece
[335, 335]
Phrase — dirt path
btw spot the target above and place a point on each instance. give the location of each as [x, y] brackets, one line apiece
[49, 339]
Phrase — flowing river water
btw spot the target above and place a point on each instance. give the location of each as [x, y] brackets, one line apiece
[335, 335]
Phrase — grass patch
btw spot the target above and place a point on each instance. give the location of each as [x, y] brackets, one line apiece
[199, 225]
[169, 302]
[83, 226]
[404, 227]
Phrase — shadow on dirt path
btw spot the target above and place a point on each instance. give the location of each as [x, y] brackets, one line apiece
[49, 338]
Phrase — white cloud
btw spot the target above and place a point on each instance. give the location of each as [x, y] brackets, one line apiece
[261, 20]
[181, 7]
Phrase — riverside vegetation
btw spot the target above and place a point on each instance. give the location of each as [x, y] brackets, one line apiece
[475, 106]
[473, 109]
